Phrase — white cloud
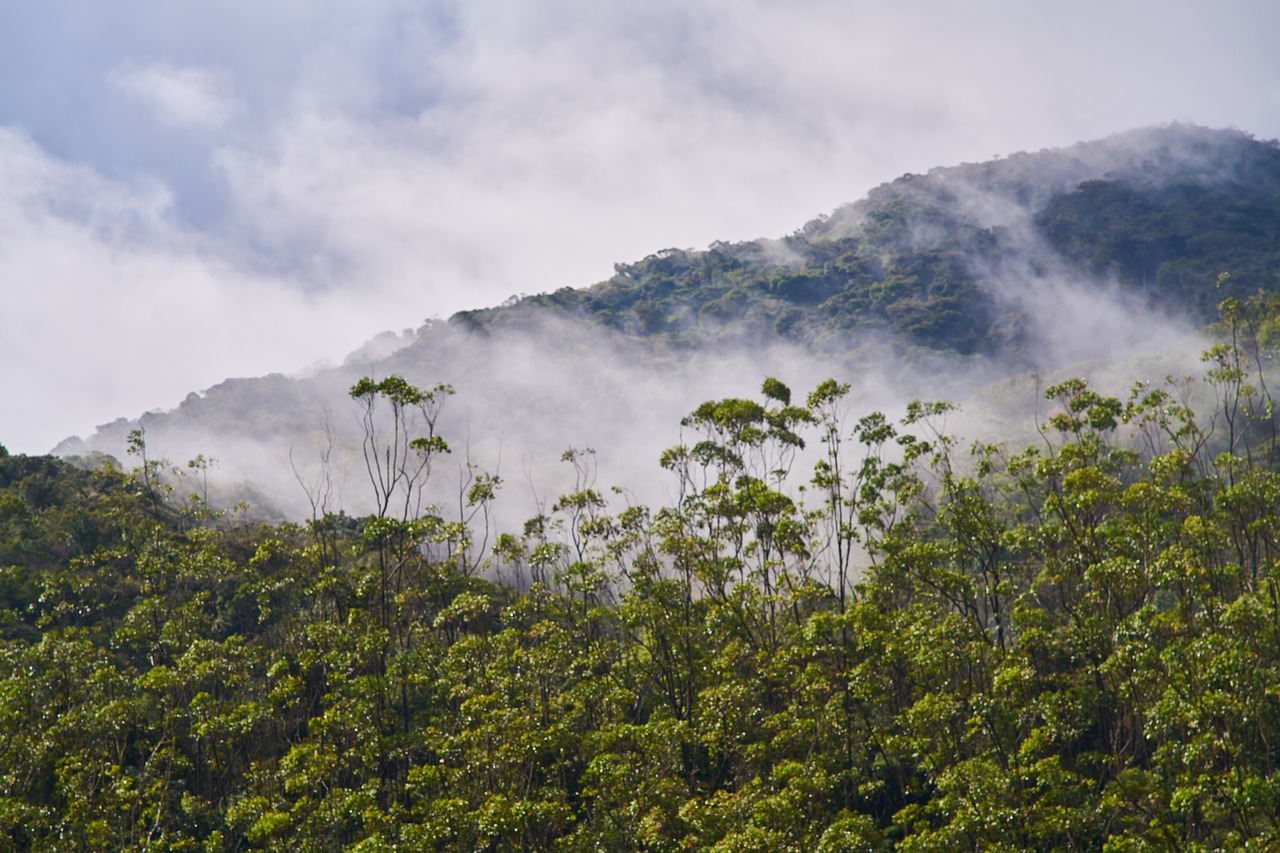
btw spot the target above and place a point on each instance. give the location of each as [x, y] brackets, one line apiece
[397, 160]
[186, 97]
[112, 308]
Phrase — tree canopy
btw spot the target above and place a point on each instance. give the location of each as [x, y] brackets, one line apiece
[845, 631]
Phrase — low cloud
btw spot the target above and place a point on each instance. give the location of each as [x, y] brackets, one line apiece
[113, 307]
[187, 97]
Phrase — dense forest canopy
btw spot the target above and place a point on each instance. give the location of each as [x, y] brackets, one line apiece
[914, 644]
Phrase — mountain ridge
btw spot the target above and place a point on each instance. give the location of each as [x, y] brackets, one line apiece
[932, 284]
[921, 234]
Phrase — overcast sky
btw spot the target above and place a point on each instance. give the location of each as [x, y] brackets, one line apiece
[196, 190]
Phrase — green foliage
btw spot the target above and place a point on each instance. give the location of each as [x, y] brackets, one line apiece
[1072, 646]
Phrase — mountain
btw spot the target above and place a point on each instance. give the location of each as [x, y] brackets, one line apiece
[888, 638]
[1160, 211]
[933, 284]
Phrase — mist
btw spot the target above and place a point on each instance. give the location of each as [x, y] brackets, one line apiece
[525, 396]
[533, 382]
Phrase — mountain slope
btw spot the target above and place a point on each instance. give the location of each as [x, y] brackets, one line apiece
[1160, 211]
[931, 285]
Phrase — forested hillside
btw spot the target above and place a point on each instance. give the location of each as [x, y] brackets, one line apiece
[745, 613]
[1160, 211]
[934, 285]
[912, 644]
